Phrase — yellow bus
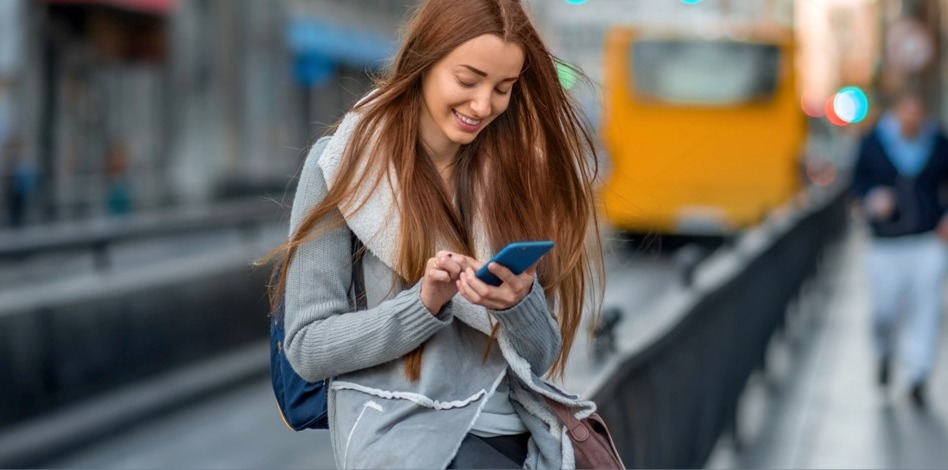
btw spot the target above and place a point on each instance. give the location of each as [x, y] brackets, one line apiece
[704, 136]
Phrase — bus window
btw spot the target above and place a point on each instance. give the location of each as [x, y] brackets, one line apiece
[704, 73]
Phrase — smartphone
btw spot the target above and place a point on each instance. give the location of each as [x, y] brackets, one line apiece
[517, 257]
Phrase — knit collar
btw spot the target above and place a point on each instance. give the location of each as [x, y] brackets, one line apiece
[909, 156]
[377, 222]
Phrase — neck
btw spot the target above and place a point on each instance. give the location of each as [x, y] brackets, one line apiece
[444, 156]
[910, 133]
[443, 160]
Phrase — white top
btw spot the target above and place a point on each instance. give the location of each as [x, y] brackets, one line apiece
[498, 418]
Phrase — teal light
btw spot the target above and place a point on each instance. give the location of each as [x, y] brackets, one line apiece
[576, 2]
[566, 75]
[691, 2]
[851, 104]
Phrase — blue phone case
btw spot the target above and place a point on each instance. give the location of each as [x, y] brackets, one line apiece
[516, 257]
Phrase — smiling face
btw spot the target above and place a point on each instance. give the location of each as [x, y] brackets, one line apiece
[466, 90]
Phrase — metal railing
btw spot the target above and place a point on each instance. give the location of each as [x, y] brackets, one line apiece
[668, 402]
[248, 216]
[70, 339]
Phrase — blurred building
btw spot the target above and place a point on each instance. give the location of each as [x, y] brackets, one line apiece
[184, 101]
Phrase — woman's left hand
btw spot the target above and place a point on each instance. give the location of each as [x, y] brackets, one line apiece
[513, 289]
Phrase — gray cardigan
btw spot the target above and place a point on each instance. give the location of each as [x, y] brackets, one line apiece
[378, 418]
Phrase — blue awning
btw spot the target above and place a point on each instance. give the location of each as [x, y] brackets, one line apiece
[319, 46]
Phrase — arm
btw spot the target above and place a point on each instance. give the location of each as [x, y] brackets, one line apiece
[862, 174]
[533, 331]
[941, 149]
[519, 304]
[325, 339]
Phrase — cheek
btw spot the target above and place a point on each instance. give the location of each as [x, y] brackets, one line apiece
[500, 105]
[437, 93]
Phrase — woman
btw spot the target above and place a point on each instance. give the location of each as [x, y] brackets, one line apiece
[469, 144]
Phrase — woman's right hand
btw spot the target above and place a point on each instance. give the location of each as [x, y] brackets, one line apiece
[439, 286]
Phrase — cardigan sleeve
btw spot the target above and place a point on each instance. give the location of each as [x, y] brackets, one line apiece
[532, 329]
[324, 338]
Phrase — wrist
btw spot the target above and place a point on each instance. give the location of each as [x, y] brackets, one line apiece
[434, 306]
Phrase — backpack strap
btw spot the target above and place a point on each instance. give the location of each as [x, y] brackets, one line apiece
[358, 276]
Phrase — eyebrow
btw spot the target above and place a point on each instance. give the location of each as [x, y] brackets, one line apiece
[484, 74]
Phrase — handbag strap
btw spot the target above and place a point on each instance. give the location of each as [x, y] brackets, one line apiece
[358, 276]
[574, 426]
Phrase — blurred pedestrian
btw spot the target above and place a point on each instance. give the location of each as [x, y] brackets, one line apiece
[22, 179]
[469, 143]
[901, 166]
[118, 182]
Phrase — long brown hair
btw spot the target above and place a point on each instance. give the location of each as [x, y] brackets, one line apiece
[539, 183]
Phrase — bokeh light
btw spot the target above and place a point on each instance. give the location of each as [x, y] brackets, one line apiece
[576, 2]
[851, 104]
[566, 75]
[830, 110]
[691, 2]
[812, 104]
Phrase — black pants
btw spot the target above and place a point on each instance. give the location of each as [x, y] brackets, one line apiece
[491, 452]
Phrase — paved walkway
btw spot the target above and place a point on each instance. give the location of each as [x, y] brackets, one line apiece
[818, 406]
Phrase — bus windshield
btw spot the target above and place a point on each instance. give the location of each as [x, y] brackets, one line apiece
[709, 73]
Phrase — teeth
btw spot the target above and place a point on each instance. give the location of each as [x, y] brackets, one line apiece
[466, 120]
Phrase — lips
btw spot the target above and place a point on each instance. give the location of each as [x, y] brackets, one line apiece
[466, 123]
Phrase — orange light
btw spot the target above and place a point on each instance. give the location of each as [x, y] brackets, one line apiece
[830, 111]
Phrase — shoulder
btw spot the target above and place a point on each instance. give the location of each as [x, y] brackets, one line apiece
[311, 186]
[312, 173]
[871, 137]
[870, 142]
[316, 152]
[941, 148]
[941, 139]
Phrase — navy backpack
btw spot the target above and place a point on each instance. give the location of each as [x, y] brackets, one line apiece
[302, 404]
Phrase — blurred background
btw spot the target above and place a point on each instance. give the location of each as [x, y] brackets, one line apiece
[149, 152]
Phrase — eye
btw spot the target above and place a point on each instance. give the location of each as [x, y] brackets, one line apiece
[466, 84]
[503, 92]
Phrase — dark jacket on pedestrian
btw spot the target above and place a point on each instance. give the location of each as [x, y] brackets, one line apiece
[919, 206]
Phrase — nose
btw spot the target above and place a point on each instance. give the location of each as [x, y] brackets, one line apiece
[481, 104]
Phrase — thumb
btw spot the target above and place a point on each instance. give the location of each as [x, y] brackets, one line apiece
[473, 263]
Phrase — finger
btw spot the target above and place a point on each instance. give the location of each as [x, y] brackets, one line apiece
[465, 289]
[445, 255]
[515, 287]
[450, 265]
[438, 275]
[472, 263]
[480, 287]
[472, 296]
[502, 272]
